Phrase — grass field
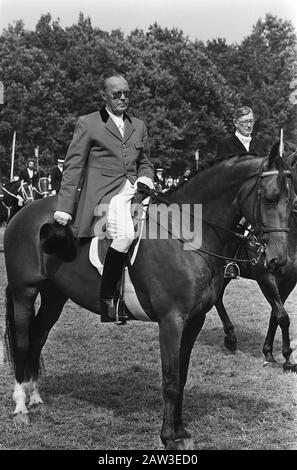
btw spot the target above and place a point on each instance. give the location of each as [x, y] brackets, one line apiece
[102, 389]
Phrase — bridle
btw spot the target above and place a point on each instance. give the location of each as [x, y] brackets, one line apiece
[41, 191]
[254, 239]
[25, 195]
[257, 221]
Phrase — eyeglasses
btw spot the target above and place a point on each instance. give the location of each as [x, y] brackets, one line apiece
[246, 123]
[116, 95]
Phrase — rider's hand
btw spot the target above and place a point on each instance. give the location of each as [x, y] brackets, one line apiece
[62, 217]
[145, 180]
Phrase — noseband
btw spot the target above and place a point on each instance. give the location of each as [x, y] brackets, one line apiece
[26, 191]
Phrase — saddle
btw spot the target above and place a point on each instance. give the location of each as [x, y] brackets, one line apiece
[128, 306]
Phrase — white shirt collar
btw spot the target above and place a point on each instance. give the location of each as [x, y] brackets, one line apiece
[244, 140]
[116, 119]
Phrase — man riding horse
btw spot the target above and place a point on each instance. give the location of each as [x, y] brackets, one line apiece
[111, 149]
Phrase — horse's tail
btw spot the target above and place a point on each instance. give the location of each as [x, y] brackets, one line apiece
[10, 335]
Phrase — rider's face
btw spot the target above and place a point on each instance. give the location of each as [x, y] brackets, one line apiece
[116, 95]
[245, 124]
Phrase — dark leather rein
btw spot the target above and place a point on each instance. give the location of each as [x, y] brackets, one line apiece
[257, 221]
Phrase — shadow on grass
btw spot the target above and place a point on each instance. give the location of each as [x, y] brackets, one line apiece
[128, 391]
[249, 340]
[133, 387]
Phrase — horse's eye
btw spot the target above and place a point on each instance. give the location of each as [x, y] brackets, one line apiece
[271, 199]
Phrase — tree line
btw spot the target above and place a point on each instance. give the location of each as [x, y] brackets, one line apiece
[185, 91]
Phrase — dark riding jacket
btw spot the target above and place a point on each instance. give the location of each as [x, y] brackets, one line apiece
[97, 164]
[232, 147]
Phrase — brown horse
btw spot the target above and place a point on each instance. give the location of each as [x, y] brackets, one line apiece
[175, 285]
[276, 287]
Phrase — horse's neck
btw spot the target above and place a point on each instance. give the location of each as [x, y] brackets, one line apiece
[217, 187]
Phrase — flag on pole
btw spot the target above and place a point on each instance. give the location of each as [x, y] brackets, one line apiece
[37, 156]
[293, 94]
[197, 158]
[281, 143]
[12, 156]
[1, 93]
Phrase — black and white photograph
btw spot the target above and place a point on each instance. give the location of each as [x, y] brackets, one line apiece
[148, 230]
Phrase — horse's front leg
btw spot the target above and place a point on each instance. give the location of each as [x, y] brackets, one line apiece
[230, 340]
[268, 343]
[272, 294]
[170, 330]
[21, 413]
[285, 288]
[176, 342]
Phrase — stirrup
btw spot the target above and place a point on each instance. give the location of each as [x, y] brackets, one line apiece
[232, 270]
[121, 316]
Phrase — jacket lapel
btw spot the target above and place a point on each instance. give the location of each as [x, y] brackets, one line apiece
[239, 145]
[128, 128]
[109, 124]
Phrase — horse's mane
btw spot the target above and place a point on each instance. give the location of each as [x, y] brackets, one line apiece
[279, 163]
[210, 164]
[11, 185]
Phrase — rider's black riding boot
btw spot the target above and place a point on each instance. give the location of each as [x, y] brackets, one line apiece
[112, 272]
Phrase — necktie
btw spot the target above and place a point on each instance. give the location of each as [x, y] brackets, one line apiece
[121, 128]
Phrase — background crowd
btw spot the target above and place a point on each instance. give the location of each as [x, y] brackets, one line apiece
[185, 91]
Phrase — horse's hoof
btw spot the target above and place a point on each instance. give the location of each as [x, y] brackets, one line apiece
[181, 444]
[231, 345]
[288, 367]
[21, 418]
[269, 360]
[34, 402]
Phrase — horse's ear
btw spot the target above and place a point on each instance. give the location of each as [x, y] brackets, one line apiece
[274, 153]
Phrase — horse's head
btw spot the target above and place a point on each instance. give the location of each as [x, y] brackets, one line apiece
[25, 191]
[266, 200]
[43, 189]
[17, 193]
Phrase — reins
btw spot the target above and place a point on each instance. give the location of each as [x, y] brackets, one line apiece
[21, 199]
[258, 221]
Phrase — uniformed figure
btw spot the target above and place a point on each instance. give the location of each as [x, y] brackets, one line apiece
[56, 175]
[30, 175]
[110, 150]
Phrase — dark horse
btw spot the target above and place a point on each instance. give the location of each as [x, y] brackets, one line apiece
[276, 287]
[19, 193]
[16, 195]
[175, 286]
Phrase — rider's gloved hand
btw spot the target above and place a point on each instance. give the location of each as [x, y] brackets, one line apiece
[62, 217]
[144, 180]
[143, 185]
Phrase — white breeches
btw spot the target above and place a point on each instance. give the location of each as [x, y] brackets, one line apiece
[119, 220]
